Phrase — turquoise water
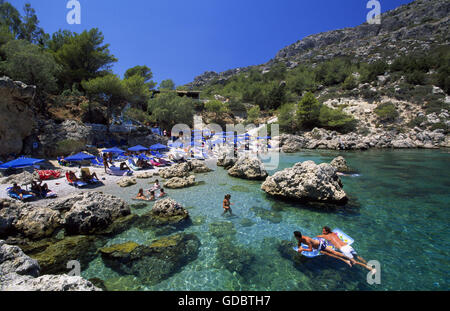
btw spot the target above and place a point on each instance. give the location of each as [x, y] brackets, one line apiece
[398, 214]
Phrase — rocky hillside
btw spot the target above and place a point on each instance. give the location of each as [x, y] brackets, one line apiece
[410, 28]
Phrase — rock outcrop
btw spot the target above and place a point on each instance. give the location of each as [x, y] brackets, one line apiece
[305, 182]
[177, 170]
[127, 182]
[16, 114]
[89, 212]
[18, 272]
[226, 160]
[248, 168]
[164, 212]
[340, 164]
[180, 182]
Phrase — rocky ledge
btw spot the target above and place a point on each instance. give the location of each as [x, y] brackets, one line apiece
[18, 272]
[184, 169]
[164, 212]
[80, 213]
[305, 182]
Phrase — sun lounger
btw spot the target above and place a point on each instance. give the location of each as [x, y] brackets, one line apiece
[74, 183]
[14, 195]
[116, 171]
[133, 165]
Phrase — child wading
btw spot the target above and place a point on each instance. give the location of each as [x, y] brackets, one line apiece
[226, 205]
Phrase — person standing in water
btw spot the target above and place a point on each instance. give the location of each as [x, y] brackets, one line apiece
[227, 204]
[347, 250]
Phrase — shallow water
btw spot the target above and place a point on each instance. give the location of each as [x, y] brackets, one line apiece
[398, 214]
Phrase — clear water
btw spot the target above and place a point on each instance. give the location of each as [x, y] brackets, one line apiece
[398, 214]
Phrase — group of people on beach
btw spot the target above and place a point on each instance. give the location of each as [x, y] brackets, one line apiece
[151, 192]
[328, 238]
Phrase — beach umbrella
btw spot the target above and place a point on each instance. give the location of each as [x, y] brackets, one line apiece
[20, 163]
[138, 148]
[217, 141]
[113, 150]
[158, 146]
[79, 157]
[264, 137]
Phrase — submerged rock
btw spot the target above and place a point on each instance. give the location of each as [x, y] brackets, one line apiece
[222, 229]
[307, 181]
[272, 216]
[155, 262]
[248, 168]
[233, 257]
[180, 182]
[55, 257]
[19, 272]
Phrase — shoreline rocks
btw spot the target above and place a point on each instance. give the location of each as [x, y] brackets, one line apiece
[340, 164]
[332, 140]
[307, 181]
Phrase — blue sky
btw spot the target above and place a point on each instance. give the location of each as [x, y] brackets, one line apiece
[180, 39]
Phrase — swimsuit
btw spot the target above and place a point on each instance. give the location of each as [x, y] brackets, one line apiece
[323, 244]
[348, 251]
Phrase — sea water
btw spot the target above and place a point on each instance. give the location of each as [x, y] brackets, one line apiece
[398, 214]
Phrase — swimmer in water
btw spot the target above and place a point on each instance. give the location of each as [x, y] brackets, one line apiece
[321, 245]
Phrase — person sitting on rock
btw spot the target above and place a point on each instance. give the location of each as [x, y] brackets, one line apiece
[162, 193]
[321, 245]
[19, 191]
[39, 187]
[141, 196]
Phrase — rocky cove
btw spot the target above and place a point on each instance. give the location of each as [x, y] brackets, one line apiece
[124, 244]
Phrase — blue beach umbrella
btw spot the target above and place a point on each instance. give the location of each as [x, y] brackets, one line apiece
[20, 163]
[158, 146]
[113, 150]
[79, 157]
[137, 148]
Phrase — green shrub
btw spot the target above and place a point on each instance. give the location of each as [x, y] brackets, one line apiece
[335, 119]
[137, 115]
[308, 112]
[386, 112]
[253, 114]
[415, 78]
[286, 118]
[350, 83]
